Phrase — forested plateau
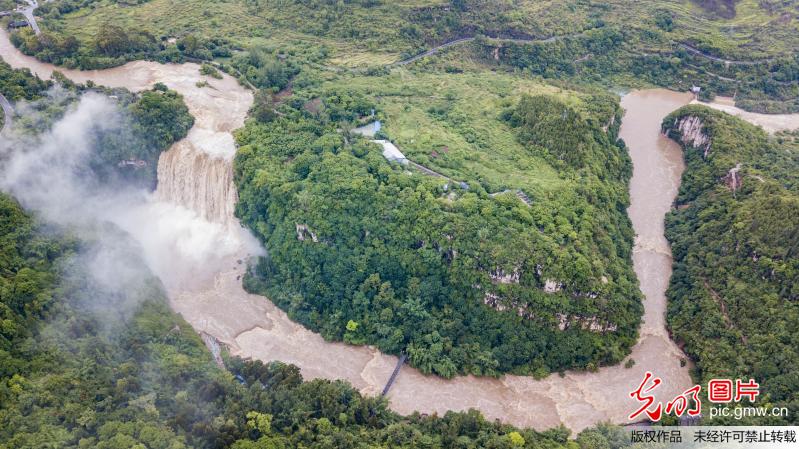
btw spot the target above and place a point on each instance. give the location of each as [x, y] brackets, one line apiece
[512, 260]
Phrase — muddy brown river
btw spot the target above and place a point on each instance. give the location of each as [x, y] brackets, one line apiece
[201, 254]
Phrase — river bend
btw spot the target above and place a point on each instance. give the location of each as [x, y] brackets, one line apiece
[202, 260]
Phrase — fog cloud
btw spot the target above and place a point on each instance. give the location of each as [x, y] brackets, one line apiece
[48, 174]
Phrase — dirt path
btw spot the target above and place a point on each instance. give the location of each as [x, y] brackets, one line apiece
[8, 114]
[701, 53]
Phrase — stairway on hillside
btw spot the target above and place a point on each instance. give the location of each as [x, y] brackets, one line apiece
[523, 196]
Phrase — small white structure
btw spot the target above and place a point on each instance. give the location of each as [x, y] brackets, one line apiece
[391, 152]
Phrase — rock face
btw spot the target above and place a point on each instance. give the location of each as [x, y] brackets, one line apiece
[500, 276]
[552, 286]
[610, 123]
[591, 323]
[692, 133]
[733, 178]
[302, 230]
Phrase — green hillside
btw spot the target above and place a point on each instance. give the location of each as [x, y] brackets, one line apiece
[87, 367]
[453, 268]
[733, 295]
[745, 48]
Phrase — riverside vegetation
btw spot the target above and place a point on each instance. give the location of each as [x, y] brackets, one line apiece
[670, 44]
[362, 251]
[85, 364]
[733, 296]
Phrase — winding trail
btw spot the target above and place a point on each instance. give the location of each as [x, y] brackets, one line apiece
[432, 51]
[8, 114]
[463, 40]
[201, 250]
[705, 55]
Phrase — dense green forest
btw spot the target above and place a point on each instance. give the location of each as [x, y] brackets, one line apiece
[734, 295]
[18, 85]
[151, 122]
[85, 366]
[463, 275]
[148, 123]
[92, 361]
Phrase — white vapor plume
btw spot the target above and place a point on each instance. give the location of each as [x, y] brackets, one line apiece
[44, 174]
[48, 174]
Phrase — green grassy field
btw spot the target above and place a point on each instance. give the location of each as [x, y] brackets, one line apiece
[372, 39]
[354, 35]
[451, 123]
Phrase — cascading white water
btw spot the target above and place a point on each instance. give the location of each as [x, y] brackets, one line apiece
[197, 181]
[194, 243]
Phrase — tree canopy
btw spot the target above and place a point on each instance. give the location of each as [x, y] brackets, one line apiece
[735, 237]
[364, 251]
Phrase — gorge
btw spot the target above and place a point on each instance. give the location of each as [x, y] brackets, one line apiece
[201, 252]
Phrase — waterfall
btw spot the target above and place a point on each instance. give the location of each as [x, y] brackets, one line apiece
[198, 181]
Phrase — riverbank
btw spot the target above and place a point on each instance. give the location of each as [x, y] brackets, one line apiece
[202, 260]
[251, 326]
[770, 122]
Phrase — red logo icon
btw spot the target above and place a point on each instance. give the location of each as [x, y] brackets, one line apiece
[719, 391]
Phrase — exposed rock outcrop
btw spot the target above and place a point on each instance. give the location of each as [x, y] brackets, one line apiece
[610, 123]
[592, 323]
[552, 286]
[692, 133]
[500, 276]
[733, 178]
[303, 231]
